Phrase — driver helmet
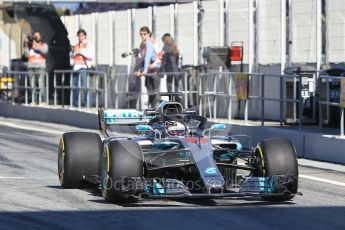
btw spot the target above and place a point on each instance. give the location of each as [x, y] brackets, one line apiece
[175, 128]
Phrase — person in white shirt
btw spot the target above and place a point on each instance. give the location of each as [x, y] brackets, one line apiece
[81, 57]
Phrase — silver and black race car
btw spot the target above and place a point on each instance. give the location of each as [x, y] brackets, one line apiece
[175, 154]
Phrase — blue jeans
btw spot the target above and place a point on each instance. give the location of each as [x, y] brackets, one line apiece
[83, 81]
[38, 83]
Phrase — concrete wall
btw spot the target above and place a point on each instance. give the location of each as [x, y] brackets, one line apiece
[303, 31]
[213, 24]
[122, 36]
[269, 31]
[186, 33]
[238, 13]
[165, 23]
[336, 30]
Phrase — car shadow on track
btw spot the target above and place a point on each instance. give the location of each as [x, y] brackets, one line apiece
[195, 203]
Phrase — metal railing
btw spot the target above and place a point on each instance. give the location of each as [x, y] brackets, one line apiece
[330, 79]
[214, 94]
[28, 87]
[129, 87]
[210, 93]
[69, 82]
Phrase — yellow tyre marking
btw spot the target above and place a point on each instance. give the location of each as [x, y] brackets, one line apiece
[108, 158]
[107, 169]
[62, 143]
[62, 146]
[262, 160]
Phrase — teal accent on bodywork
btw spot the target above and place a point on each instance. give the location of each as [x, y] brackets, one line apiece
[267, 184]
[218, 126]
[226, 156]
[239, 146]
[143, 128]
[118, 116]
[211, 170]
[157, 188]
[270, 184]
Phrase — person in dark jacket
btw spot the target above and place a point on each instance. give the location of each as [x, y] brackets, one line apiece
[170, 64]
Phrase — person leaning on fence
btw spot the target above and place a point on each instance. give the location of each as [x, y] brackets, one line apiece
[35, 51]
[152, 54]
[170, 63]
[81, 56]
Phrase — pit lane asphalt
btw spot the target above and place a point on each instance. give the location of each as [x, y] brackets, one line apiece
[31, 196]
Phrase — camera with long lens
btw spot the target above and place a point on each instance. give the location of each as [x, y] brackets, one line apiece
[30, 38]
[135, 52]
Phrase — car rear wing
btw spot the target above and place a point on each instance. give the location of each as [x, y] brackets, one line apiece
[118, 117]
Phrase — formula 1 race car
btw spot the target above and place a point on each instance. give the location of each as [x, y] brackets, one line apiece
[175, 154]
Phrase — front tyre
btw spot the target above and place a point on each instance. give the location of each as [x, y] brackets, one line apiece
[278, 157]
[79, 155]
[121, 169]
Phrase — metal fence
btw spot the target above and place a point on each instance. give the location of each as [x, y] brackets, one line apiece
[28, 87]
[130, 93]
[214, 86]
[86, 88]
[330, 100]
[213, 94]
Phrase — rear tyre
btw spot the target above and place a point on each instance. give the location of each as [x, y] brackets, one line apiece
[79, 155]
[278, 157]
[122, 159]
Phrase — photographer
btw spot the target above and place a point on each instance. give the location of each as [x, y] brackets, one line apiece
[133, 81]
[35, 51]
[152, 54]
[81, 58]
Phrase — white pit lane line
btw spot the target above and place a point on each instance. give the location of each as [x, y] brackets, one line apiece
[23, 177]
[30, 128]
[322, 180]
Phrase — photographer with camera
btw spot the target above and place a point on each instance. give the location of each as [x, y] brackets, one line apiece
[81, 58]
[151, 53]
[35, 51]
[133, 81]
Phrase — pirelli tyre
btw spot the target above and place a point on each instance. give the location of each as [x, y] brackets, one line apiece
[79, 155]
[278, 157]
[121, 170]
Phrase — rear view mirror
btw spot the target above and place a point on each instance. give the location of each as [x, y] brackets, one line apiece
[214, 127]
